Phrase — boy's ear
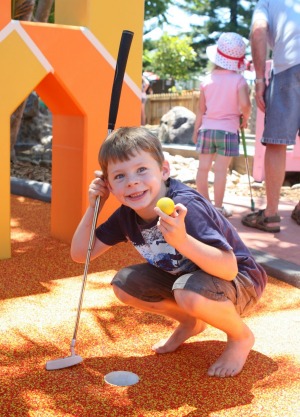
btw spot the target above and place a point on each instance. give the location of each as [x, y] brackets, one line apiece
[108, 185]
[166, 169]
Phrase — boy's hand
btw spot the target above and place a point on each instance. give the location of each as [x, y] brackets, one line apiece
[98, 187]
[172, 227]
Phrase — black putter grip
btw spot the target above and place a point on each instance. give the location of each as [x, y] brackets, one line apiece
[123, 53]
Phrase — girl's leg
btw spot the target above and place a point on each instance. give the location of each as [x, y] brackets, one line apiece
[220, 170]
[205, 163]
[223, 316]
[188, 325]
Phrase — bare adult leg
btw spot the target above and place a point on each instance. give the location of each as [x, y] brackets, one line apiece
[275, 160]
[143, 114]
[223, 316]
[220, 169]
[205, 163]
[188, 325]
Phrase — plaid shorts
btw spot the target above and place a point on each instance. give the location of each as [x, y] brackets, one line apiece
[218, 141]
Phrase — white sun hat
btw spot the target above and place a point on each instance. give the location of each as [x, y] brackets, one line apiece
[229, 52]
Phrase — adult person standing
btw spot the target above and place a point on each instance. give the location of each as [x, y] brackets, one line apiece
[276, 23]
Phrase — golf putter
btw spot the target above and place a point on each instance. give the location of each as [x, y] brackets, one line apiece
[123, 53]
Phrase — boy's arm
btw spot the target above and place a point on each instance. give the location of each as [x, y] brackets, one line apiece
[214, 261]
[80, 241]
[201, 111]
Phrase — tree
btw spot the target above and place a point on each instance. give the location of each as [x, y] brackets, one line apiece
[44, 10]
[218, 16]
[174, 57]
[156, 10]
[38, 10]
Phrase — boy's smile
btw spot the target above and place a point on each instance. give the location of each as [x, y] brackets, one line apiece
[138, 182]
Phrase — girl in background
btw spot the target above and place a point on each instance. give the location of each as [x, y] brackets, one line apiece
[224, 107]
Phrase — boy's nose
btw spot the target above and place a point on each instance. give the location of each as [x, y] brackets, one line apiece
[132, 180]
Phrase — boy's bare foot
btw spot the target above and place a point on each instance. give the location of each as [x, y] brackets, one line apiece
[183, 332]
[232, 360]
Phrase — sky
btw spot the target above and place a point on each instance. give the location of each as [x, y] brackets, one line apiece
[179, 22]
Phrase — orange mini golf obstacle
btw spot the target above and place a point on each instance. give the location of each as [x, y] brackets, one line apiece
[71, 68]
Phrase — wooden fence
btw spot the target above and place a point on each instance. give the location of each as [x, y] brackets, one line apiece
[159, 104]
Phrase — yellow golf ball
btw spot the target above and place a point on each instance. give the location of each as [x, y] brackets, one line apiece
[166, 205]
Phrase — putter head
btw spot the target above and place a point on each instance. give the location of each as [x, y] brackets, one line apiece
[63, 362]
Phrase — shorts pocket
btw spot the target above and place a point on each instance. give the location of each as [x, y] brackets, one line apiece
[246, 296]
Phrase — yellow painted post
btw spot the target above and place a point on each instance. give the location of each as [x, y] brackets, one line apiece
[20, 71]
[5, 250]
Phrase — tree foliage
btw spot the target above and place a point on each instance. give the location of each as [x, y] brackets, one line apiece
[157, 9]
[155, 13]
[218, 16]
[173, 57]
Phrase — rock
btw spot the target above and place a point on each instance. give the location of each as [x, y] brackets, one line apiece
[36, 124]
[258, 185]
[32, 106]
[177, 125]
[244, 179]
[234, 178]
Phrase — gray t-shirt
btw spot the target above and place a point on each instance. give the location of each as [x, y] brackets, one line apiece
[283, 19]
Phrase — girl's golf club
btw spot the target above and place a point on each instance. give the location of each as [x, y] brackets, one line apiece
[123, 53]
[247, 167]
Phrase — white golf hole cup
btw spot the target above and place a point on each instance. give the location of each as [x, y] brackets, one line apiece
[121, 378]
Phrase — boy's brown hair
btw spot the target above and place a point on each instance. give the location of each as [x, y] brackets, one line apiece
[126, 142]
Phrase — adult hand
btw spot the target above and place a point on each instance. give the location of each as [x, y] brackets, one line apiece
[259, 95]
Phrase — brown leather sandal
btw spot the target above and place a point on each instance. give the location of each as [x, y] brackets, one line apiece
[296, 215]
[258, 220]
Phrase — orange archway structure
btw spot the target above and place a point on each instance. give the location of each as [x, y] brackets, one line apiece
[72, 70]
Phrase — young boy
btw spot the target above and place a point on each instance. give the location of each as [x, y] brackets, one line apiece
[198, 270]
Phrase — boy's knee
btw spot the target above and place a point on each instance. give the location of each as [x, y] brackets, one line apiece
[189, 301]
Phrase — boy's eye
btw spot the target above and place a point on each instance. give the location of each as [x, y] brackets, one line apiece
[119, 176]
[142, 169]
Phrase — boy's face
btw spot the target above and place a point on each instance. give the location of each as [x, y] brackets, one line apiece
[138, 183]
